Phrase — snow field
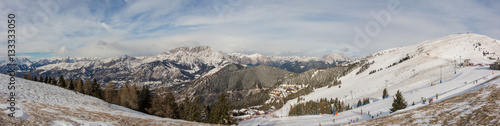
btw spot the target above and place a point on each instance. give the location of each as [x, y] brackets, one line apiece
[431, 62]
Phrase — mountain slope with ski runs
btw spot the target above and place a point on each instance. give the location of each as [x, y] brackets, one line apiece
[428, 70]
[410, 69]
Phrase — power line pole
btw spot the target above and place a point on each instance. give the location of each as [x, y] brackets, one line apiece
[352, 96]
[455, 67]
[317, 107]
[386, 81]
[441, 74]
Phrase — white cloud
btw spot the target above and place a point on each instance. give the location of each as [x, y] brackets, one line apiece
[62, 51]
[294, 27]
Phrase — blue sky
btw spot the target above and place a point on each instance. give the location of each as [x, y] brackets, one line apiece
[106, 28]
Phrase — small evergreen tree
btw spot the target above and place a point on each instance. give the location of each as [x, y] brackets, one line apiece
[399, 102]
[95, 89]
[185, 109]
[46, 80]
[54, 81]
[359, 103]
[35, 78]
[163, 104]
[384, 94]
[61, 82]
[144, 99]
[71, 86]
[220, 112]
[366, 101]
[28, 76]
[41, 79]
[197, 110]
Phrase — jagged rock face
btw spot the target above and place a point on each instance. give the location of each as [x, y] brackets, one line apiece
[293, 63]
[336, 57]
[241, 83]
[177, 66]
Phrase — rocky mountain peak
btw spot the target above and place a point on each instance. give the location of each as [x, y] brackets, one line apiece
[197, 49]
[336, 57]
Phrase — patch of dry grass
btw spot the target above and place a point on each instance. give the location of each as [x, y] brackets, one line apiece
[473, 108]
[37, 116]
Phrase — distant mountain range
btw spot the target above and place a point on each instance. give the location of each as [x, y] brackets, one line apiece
[175, 68]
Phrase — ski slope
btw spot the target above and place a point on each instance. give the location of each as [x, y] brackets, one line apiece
[445, 90]
[431, 62]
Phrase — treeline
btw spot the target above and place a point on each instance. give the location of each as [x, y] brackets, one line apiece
[329, 78]
[364, 102]
[141, 99]
[364, 67]
[323, 106]
[88, 87]
[400, 61]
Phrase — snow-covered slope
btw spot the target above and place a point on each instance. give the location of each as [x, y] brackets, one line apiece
[479, 107]
[44, 104]
[408, 69]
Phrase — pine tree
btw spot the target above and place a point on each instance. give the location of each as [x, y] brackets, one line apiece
[192, 111]
[185, 109]
[163, 104]
[359, 103]
[28, 76]
[25, 77]
[366, 101]
[35, 78]
[41, 79]
[50, 80]
[399, 102]
[62, 82]
[46, 80]
[384, 94]
[220, 112]
[71, 85]
[54, 81]
[144, 99]
[95, 89]
[79, 85]
[197, 110]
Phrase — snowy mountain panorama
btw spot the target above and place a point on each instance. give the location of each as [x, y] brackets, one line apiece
[192, 83]
[177, 66]
[452, 67]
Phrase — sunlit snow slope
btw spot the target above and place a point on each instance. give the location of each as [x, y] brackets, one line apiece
[428, 61]
[44, 104]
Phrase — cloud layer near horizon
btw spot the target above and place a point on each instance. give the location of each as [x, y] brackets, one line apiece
[56, 28]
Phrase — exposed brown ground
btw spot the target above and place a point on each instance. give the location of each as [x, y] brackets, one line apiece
[473, 108]
[37, 116]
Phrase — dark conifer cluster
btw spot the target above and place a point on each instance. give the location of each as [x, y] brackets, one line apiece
[141, 99]
[322, 106]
